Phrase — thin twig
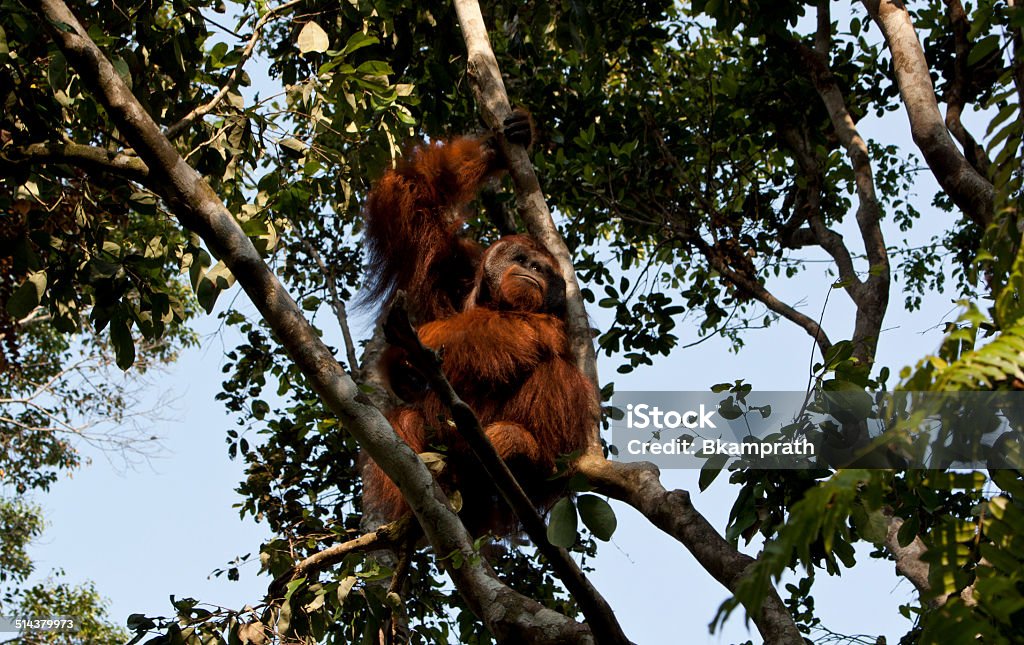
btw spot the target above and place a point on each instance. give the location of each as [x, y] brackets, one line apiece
[385, 537]
[337, 304]
[233, 78]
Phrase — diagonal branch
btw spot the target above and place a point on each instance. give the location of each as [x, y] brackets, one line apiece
[910, 562]
[232, 80]
[956, 98]
[595, 608]
[89, 158]
[757, 290]
[337, 304]
[810, 210]
[971, 192]
[638, 485]
[510, 616]
[385, 537]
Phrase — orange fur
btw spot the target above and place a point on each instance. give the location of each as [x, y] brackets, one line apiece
[498, 328]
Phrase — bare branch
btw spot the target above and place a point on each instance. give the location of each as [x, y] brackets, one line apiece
[971, 192]
[823, 34]
[233, 78]
[829, 240]
[871, 296]
[639, 486]
[72, 402]
[757, 290]
[89, 158]
[956, 97]
[337, 304]
[510, 616]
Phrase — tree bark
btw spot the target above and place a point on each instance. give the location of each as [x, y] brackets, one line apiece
[970, 191]
[639, 486]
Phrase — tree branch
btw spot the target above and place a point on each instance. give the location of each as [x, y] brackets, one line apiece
[385, 537]
[971, 192]
[598, 613]
[956, 98]
[233, 78]
[871, 296]
[492, 100]
[823, 33]
[756, 290]
[508, 615]
[337, 304]
[909, 562]
[829, 240]
[639, 486]
[89, 158]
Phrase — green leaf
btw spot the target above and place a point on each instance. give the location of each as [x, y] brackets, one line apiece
[27, 296]
[216, 280]
[57, 74]
[374, 68]
[358, 40]
[344, 587]
[838, 353]
[140, 622]
[908, 531]
[982, 48]
[292, 586]
[293, 146]
[562, 524]
[121, 339]
[313, 38]
[597, 515]
[262, 233]
[122, 70]
[709, 471]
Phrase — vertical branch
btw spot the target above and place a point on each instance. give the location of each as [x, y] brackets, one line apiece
[638, 485]
[823, 34]
[492, 99]
[872, 294]
[338, 305]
